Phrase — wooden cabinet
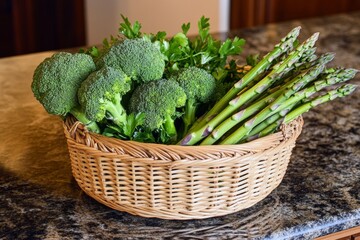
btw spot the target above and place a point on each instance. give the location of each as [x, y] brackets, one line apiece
[248, 13]
[38, 25]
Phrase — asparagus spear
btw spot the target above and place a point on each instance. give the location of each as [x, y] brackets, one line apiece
[307, 56]
[338, 76]
[297, 83]
[342, 91]
[323, 59]
[270, 120]
[268, 60]
[306, 64]
[280, 69]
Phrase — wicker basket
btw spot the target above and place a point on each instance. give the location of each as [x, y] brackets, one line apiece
[178, 182]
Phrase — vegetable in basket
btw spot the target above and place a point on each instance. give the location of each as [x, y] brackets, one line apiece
[56, 82]
[100, 95]
[229, 121]
[199, 86]
[159, 102]
[138, 58]
[186, 91]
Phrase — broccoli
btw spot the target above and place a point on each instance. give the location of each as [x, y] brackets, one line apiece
[158, 101]
[138, 58]
[100, 95]
[199, 86]
[56, 81]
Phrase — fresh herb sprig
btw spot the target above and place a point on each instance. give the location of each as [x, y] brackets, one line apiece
[181, 51]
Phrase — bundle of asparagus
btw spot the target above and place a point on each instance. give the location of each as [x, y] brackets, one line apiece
[287, 82]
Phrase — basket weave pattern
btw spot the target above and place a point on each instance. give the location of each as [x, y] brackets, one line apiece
[178, 182]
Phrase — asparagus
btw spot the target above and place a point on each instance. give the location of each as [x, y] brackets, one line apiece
[338, 76]
[238, 117]
[297, 83]
[268, 60]
[254, 133]
[307, 56]
[342, 91]
[306, 64]
[280, 69]
[323, 59]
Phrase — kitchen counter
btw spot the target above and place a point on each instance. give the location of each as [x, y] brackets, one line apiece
[320, 193]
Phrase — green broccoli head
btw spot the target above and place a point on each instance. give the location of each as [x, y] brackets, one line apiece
[138, 58]
[198, 84]
[100, 94]
[57, 79]
[158, 101]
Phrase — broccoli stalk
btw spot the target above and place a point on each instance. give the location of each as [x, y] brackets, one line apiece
[80, 116]
[56, 81]
[190, 113]
[169, 126]
[101, 93]
[115, 110]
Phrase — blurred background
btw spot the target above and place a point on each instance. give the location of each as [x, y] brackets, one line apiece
[29, 26]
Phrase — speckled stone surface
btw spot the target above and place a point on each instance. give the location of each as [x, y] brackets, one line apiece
[319, 194]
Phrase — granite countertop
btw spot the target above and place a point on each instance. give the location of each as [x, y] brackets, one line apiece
[319, 194]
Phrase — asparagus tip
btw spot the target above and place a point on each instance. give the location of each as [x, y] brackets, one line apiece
[328, 57]
[296, 30]
[315, 36]
[347, 89]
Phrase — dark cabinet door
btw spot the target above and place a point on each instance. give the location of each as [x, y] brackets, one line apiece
[247, 13]
[39, 25]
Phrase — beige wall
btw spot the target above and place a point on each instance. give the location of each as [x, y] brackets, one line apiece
[103, 16]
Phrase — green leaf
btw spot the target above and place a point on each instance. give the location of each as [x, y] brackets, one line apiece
[143, 135]
[106, 43]
[204, 27]
[180, 39]
[252, 60]
[160, 36]
[130, 30]
[132, 122]
[94, 52]
[185, 28]
[220, 73]
[231, 47]
[205, 58]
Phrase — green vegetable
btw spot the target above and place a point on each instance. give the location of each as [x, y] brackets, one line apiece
[278, 70]
[101, 93]
[294, 85]
[199, 87]
[149, 88]
[285, 45]
[159, 101]
[287, 117]
[181, 51]
[56, 82]
[290, 97]
[138, 58]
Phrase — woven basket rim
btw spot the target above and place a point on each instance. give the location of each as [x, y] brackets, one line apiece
[76, 131]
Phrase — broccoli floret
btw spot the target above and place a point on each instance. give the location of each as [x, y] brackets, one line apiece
[199, 86]
[138, 58]
[158, 101]
[100, 95]
[56, 81]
